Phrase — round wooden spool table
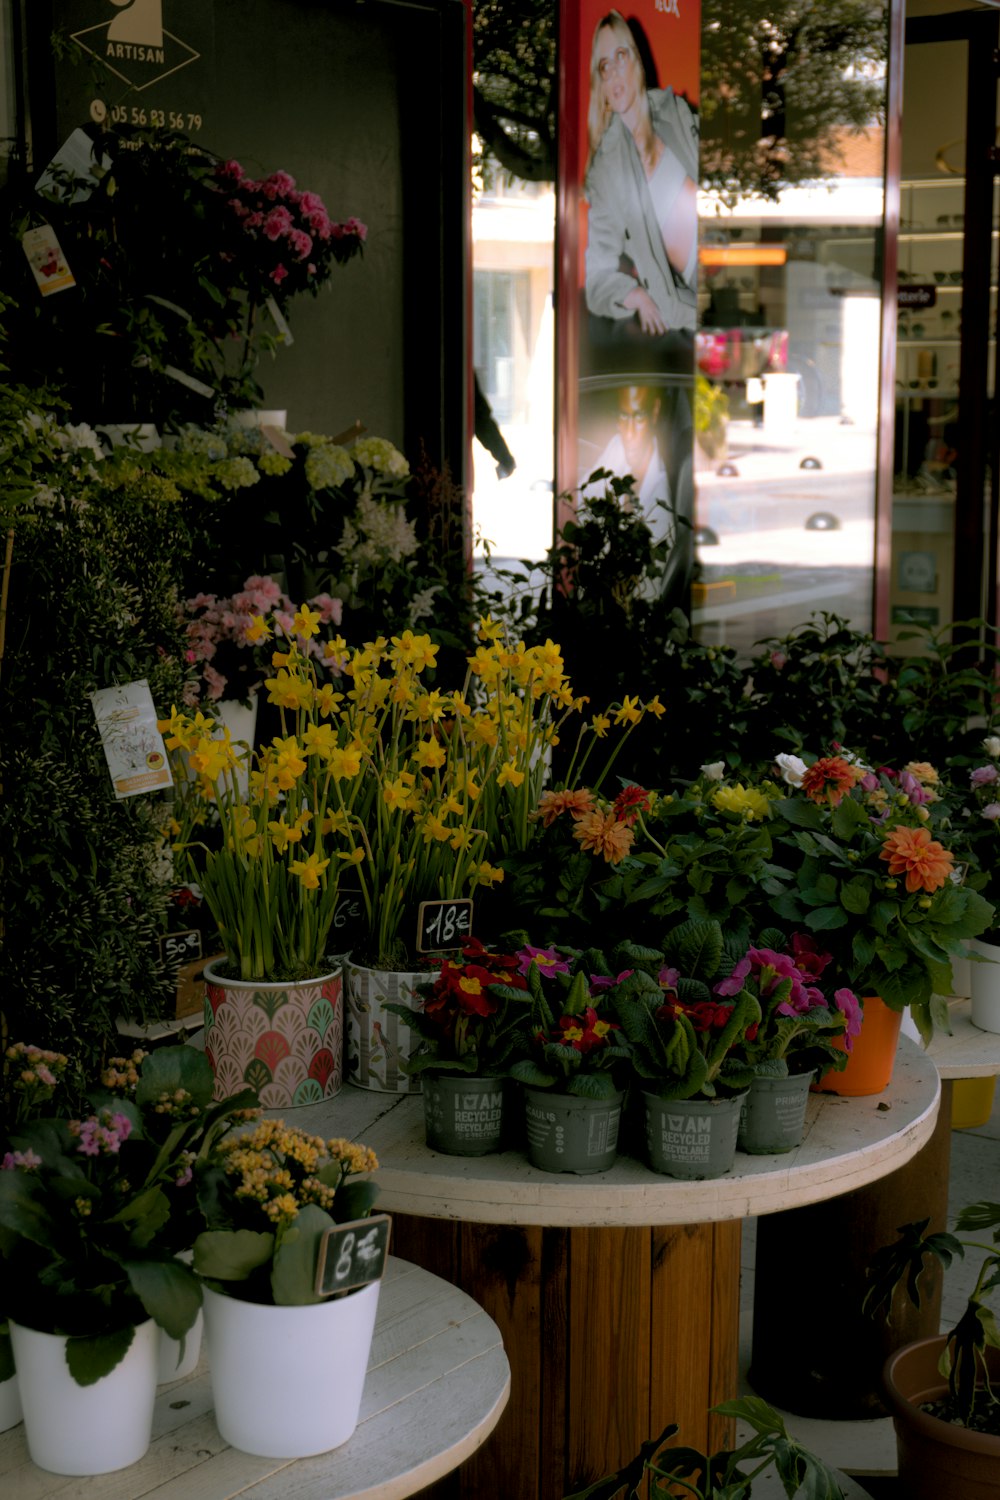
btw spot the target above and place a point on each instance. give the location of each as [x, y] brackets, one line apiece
[617, 1295]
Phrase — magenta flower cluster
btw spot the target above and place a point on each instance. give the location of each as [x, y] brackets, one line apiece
[766, 970]
[293, 243]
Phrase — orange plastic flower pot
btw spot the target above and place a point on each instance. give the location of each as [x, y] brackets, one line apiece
[870, 1062]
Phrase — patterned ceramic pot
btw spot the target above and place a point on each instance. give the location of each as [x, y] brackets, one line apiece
[377, 1040]
[284, 1040]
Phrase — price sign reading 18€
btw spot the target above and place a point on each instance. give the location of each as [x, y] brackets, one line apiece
[352, 1255]
[443, 924]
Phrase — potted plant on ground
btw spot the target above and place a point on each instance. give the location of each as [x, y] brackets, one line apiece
[687, 1049]
[94, 1212]
[575, 1072]
[469, 1024]
[288, 1361]
[944, 1392]
[727, 1474]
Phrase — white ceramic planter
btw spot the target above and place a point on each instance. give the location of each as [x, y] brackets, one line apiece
[985, 986]
[85, 1429]
[287, 1382]
[377, 1040]
[10, 1403]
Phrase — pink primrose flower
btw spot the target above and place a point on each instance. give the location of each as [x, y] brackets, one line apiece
[808, 959]
[667, 979]
[547, 959]
[850, 1006]
[734, 983]
[599, 982]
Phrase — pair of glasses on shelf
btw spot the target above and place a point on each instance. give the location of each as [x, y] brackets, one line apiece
[954, 276]
[922, 385]
[945, 221]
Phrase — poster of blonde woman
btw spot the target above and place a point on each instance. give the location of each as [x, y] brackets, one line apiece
[629, 268]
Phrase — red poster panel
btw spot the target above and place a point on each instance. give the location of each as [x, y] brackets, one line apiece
[627, 258]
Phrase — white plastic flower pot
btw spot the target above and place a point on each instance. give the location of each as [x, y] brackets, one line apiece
[985, 977]
[287, 1382]
[85, 1429]
[10, 1403]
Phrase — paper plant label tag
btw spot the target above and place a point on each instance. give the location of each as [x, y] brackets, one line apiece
[182, 378]
[75, 170]
[352, 1255]
[49, 265]
[133, 746]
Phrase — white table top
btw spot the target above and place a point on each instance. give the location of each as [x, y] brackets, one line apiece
[848, 1144]
[438, 1380]
[968, 1052]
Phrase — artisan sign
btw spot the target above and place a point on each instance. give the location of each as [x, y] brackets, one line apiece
[134, 44]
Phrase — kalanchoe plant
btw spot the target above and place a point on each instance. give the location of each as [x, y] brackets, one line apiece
[268, 1198]
[95, 1210]
[685, 1041]
[727, 1474]
[973, 1401]
[576, 1044]
[799, 1028]
[469, 1021]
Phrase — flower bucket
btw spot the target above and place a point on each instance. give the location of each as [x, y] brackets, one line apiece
[871, 1060]
[773, 1116]
[971, 1102]
[10, 1403]
[85, 1429]
[692, 1138]
[377, 1040]
[465, 1116]
[287, 1382]
[284, 1040]
[570, 1134]
[985, 986]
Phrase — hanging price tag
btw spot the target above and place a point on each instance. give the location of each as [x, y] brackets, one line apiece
[443, 924]
[352, 1255]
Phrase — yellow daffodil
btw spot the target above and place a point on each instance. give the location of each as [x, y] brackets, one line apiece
[510, 775]
[309, 870]
[306, 622]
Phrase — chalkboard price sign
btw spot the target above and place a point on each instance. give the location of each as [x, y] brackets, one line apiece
[352, 1255]
[180, 948]
[443, 924]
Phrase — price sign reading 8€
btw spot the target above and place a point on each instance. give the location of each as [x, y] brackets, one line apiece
[443, 924]
[352, 1255]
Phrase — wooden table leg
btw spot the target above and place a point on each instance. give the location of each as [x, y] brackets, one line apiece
[611, 1334]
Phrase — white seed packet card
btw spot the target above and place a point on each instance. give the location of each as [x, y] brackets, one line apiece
[133, 746]
[49, 265]
[75, 170]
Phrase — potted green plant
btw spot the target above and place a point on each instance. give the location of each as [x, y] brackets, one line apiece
[727, 1474]
[573, 1067]
[944, 1392]
[687, 1049]
[976, 823]
[94, 1212]
[870, 875]
[799, 1030]
[288, 1362]
[469, 1026]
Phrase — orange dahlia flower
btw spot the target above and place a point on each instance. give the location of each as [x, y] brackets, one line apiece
[601, 833]
[830, 779]
[552, 805]
[913, 853]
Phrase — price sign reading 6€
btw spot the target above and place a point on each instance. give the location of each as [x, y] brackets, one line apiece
[443, 924]
[352, 1255]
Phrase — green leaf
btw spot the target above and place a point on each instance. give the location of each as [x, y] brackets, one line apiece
[855, 895]
[169, 1292]
[231, 1254]
[355, 1200]
[825, 919]
[847, 818]
[168, 1069]
[293, 1275]
[92, 1357]
[696, 948]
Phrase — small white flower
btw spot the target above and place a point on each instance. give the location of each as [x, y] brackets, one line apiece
[792, 769]
[991, 745]
[715, 770]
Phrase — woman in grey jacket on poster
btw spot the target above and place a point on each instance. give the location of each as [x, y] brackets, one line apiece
[641, 188]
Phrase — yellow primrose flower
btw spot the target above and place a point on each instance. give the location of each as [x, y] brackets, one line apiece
[309, 870]
[510, 775]
[305, 622]
[746, 802]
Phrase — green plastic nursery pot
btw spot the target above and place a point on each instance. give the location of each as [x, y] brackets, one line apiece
[569, 1134]
[773, 1116]
[692, 1138]
[937, 1460]
[465, 1116]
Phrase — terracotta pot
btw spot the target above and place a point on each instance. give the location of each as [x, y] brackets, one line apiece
[871, 1060]
[937, 1460]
